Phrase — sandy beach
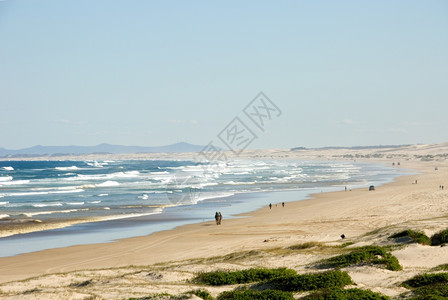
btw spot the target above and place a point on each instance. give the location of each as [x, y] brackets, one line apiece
[164, 261]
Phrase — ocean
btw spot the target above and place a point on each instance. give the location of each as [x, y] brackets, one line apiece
[122, 198]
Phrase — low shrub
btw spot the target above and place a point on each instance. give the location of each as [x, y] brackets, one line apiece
[433, 291]
[201, 294]
[365, 255]
[426, 279]
[440, 238]
[243, 276]
[416, 236]
[348, 294]
[429, 286]
[251, 294]
[309, 282]
[303, 246]
[443, 267]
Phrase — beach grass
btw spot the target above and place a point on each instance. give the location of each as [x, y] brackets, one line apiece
[345, 294]
[440, 238]
[308, 282]
[243, 276]
[433, 291]
[443, 267]
[306, 245]
[426, 279]
[415, 236]
[201, 294]
[256, 295]
[375, 255]
[428, 286]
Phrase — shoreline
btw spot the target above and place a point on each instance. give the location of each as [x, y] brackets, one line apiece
[206, 239]
[36, 237]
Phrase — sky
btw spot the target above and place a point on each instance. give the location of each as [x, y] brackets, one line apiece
[152, 73]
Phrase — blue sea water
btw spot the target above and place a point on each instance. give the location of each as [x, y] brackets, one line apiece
[118, 199]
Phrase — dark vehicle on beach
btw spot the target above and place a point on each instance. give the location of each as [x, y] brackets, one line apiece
[371, 188]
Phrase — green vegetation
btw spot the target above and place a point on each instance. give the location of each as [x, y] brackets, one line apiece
[437, 239]
[346, 244]
[304, 246]
[440, 238]
[443, 267]
[426, 279]
[309, 282]
[416, 236]
[429, 286]
[251, 294]
[348, 294]
[162, 296]
[201, 294]
[364, 255]
[243, 276]
[434, 291]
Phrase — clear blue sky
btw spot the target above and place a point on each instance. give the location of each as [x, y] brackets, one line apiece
[158, 72]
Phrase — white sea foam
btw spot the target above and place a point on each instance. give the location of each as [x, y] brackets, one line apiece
[144, 197]
[3, 216]
[103, 195]
[14, 182]
[32, 214]
[42, 193]
[96, 164]
[5, 178]
[8, 168]
[117, 175]
[75, 203]
[108, 183]
[67, 168]
[4, 203]
[231, 182]
[94, 202]
[47, 204]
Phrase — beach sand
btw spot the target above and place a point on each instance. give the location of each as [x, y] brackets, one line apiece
[164, 261]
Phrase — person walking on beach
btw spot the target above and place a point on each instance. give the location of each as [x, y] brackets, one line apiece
[270, 205]
[283, 204]
[217, 218]
[220, 218]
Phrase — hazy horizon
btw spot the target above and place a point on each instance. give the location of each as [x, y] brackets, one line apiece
[154, 73]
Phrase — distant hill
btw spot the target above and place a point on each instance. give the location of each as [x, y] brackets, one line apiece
[101, 148]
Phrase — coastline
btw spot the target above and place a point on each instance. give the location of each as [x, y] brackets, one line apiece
[65, 233]
[166, 261]
[307, 220]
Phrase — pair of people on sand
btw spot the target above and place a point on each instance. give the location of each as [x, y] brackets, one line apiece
[218, 218]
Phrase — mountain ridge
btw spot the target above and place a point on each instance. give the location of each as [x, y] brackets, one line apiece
[180, 147]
